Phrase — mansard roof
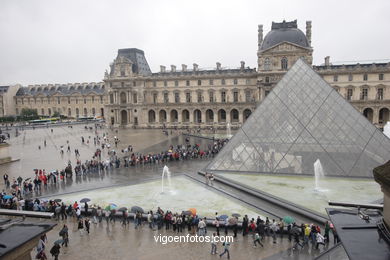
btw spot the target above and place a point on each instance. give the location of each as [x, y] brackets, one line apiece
[67, 89]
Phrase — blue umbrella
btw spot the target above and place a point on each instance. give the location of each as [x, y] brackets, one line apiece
[223, 217]
[7, 197]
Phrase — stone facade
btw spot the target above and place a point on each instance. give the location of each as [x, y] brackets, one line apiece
[7, 104]
[196, 97]
[72, 100]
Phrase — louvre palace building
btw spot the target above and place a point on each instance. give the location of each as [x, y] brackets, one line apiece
[131, 95]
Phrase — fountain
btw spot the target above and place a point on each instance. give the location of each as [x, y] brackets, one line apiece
[166, 173]
[386, 129]
[318, 174]
[228, 130]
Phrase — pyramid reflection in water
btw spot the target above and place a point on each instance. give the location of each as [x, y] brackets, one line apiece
[301, 120]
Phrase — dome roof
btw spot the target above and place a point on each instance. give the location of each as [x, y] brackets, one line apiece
[284, 32]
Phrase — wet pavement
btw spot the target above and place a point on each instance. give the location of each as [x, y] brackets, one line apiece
[114, 241]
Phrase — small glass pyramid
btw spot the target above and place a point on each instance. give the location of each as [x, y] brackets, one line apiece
[301, 120]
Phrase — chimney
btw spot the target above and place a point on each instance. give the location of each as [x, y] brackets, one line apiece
[242, 65]
[162, 68]
[260, 35]
[218, 66]
[327, 63]
[173, 68]
[183, 67]
[195, 66]
[308, 31]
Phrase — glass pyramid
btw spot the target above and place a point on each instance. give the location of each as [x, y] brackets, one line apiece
[301, 120]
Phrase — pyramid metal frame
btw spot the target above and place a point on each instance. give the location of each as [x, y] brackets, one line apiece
[301, 120]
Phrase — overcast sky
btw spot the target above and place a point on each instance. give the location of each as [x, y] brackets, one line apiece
[74, 41]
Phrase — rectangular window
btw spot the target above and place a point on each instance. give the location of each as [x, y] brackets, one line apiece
[335, 78]
[165, 83]
[222, 81]
[247, 96]
[235, 81]
[68, 100]
[364, 94]
[349, 94]
[177, 98]
[93, 99]
[365, 77]
[166, 98]
[101, 99]
[235, 96]
[380, 94]
[58, 100]
[199, 82]
[380, 76]
[77, 100]
[211, 97]
[187, 83]
[122, 84]
[154, 84]
[176, 83]
[247, 81]
[154, 98]
[211, 82]
[85, 101]
[135, 99]
[188, 97]
[350, 77]
[199, 97]
[266, 79]
[223, 96]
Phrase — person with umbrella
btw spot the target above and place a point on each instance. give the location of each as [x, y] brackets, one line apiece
[65, 235]
[295, 232]
[55, 251]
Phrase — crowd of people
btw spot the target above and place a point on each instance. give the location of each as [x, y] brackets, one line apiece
[83, 215]
[20, 192]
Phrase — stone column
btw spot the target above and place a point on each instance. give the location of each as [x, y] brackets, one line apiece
[375, 115]
[157, 116]
[215, 116]
[203, 113]
[180, 116]
[168, 116]
[191, 116]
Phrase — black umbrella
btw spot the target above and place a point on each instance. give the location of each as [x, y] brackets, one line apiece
[14, 186]
[85, 200]
[295, 231]
[122, 209]
[27, 179]
[58, 200]
[134, 209]
[186, 213]
[236, 215]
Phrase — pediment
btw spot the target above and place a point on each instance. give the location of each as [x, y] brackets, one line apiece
[285, 46]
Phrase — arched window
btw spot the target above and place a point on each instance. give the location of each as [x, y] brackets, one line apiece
[284, 63]
[267, 64]
[69, 112]
[93, 111]
[77, 112]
